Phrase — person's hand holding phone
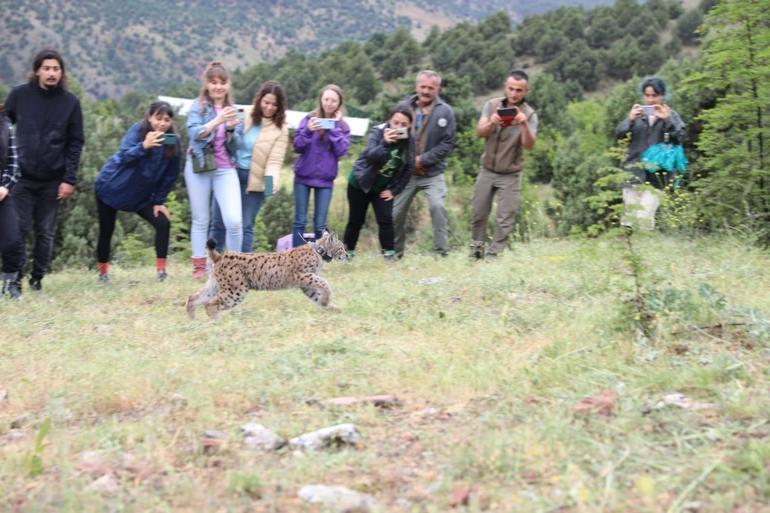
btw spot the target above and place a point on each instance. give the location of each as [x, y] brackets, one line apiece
[636, 112]
[314, 124]
[495, 119]
[662, 111]
[390, 135]
[153, 139]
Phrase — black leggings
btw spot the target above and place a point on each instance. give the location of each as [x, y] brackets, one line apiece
[107, 216]
[358, 202]
[11, 243]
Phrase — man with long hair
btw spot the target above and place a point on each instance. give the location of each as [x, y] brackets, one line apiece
[49, 139]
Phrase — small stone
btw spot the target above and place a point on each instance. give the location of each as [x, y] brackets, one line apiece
[105, 484]
[402, 503]
[460, 496]
[92, 462]
[212, 439]
[381, 401]
[178, 400]
[257, 436]
[341, 434]
[21, 421]
[14, 435]
[338, 498]
[692, 507]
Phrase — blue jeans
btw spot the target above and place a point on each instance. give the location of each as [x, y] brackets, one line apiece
[251, 202]
[323, 197]
[224, 184]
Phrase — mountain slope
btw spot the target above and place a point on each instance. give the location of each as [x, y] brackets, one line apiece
[113, 46]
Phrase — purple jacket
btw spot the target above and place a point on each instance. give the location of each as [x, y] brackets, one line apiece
[317, 162]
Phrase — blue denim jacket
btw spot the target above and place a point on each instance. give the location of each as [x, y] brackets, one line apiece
[195, 121]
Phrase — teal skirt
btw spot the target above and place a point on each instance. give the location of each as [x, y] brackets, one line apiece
[664, 157]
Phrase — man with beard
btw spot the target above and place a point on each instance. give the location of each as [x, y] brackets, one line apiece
[49, 139]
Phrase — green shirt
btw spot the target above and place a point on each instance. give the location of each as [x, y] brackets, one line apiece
[386, 172]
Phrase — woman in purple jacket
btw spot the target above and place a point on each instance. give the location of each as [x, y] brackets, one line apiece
[321, 139]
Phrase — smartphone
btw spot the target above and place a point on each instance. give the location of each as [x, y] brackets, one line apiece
[507, 114]
[241, 114]
[649, 110]
[169, 139]
[327, 123]
[402, 133]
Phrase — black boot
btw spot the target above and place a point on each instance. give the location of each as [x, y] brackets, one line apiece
[35, 283]
[12, 285]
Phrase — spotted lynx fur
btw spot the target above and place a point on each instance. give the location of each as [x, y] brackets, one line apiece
[234, 274]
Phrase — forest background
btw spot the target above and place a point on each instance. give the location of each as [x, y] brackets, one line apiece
[586, 64]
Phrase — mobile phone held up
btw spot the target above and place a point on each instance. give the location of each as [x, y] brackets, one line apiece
[169, 139]
[327, 123]
[401, 133]
[507, 114]
[240, 114]
[649, 110]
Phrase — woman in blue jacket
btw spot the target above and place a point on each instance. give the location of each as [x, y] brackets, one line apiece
[137, 179]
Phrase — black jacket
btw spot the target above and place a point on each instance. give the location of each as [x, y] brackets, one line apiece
[439, 136]
[375, 155]
[643, 135]
[49, 132]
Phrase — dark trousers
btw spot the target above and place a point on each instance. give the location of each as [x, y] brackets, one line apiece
[358, 202]
[107, 217]
[11, 244]
[37, 207]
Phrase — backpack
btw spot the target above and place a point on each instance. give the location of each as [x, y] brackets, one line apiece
[5, 140]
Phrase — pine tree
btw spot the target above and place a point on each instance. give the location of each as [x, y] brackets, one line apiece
[734, 142]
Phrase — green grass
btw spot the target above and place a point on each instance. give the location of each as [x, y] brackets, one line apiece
[503, 350]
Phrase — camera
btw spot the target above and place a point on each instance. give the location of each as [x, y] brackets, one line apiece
[327, 123]
[401, 133]
[169, 139]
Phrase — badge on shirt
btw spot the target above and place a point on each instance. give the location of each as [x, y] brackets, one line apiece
[442, 122]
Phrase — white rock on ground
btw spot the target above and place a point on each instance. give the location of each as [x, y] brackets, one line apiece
[257, 436]
[338, 498]
[341, 434]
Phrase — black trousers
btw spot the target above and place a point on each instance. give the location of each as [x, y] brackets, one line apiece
[107, 217]
[36, 208]
[11, 245]
[358, 202]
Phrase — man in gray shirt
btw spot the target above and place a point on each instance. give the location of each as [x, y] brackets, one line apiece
[434, 134]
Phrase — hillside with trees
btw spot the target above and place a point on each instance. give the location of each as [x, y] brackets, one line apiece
[114, 47]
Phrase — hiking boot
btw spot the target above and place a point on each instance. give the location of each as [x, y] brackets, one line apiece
[104, 278]
[12, 285]
[477, 250]
[36, 283]
[162, 275]
[389, 254]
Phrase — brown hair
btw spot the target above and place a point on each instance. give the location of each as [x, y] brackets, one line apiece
[319, 111]
[274, 88]
[37, 61]
[214, 69]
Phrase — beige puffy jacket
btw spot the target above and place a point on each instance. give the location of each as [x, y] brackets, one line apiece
[267, 154]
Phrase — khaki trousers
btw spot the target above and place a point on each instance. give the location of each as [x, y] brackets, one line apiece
[507, 188]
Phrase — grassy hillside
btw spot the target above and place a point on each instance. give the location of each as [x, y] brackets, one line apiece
[490, 361]
[115, 46]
